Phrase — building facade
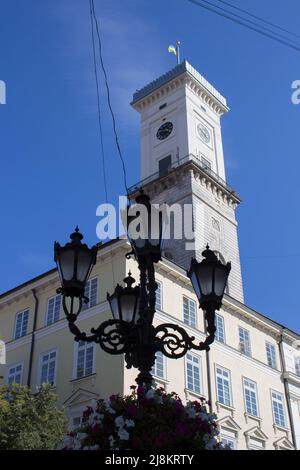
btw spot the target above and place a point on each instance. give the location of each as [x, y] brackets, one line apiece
[252, 373]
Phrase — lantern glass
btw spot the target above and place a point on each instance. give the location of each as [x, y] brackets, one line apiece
[221, 275]
[66, 263]
[74, 262]
[195, 284]
[209, 277]
[128, 307]
[205, 277]
[155, 228]
[114, 306]
[144, 229]
[124, 302]
[83, 264]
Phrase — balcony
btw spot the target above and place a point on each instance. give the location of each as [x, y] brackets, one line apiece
[185, 161]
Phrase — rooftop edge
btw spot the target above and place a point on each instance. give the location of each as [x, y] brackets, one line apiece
[185, 66]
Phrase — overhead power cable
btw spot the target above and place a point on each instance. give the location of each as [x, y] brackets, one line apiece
[246, 23]
[108, 95]
[263, 20]
[253, 23]
[98, 105]
[100, 121]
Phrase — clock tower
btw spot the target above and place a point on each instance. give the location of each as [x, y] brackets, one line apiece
[182, 163]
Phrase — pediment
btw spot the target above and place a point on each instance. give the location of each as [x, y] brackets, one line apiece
[229, 423]
[284, 444]
[256, 433]
[80, 396]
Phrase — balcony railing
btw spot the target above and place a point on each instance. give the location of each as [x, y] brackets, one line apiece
[181, 162]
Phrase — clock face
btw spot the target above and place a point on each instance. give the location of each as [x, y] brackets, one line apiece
[164, 131]
[203, 133]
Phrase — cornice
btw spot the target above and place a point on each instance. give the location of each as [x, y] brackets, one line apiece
[26, 291]
[178, 275]
[43, 282]
[229, 198]
[192, 170]
[18, 343]
[251, 319]
[223, 348]
[292, 378]
[182, 75]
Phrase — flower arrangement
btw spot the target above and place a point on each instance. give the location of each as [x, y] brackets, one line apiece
[146, 420]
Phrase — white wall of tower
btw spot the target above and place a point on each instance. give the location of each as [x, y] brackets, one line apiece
[184, 104]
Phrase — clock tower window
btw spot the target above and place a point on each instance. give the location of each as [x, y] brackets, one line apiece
[164, 165]
[206, 163]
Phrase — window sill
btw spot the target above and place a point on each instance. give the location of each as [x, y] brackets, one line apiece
[243, 353]
[254, 418]
[220, 342]
[230, 408]
[190, 394]
[191, 325]
[160, 381]
[280, 428]
[38, 387]
[86, 378]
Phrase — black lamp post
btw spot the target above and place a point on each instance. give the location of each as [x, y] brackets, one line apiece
[131, 329]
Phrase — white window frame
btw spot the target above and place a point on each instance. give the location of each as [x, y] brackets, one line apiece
[230, 385]
[273, 355]
[154, 368]
[247, 351]
[75, 360]
[89, 283]
[55, 297]
[297, 366]
[225, 437]
[22, 312]
[21, 373]
[223, 321]
[39, 378]
[189, 315]
[200, 373]
[160, 288]
[256, 397]
[283, 408]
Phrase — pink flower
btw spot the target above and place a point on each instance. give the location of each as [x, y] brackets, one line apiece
[113, 397]
[87, 412]
[96, 428]
[131, 410]
[140, 391]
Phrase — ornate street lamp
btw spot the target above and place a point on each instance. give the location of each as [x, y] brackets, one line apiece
[131, 329]
[209, 279]
[75, 262]
[145, 229]
[124, 302]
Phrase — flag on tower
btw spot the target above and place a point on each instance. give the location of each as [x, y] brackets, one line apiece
[172, 49]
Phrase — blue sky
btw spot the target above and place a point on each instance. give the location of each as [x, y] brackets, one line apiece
[51, 176]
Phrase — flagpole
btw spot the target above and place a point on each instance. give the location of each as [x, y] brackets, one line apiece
[177, 52]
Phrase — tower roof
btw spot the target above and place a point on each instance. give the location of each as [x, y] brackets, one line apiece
[184, 68]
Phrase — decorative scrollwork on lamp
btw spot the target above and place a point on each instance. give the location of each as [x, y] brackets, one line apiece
[131, 331]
